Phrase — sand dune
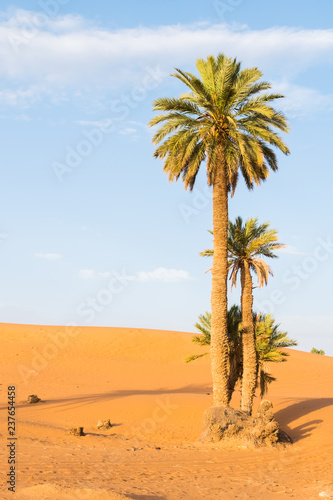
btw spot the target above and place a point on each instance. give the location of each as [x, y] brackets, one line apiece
[138, 379]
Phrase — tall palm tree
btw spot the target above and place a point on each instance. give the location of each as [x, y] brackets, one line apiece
[225, 118]
[268, 339]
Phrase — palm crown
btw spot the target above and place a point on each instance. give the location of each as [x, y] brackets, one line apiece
[229, 108]
[246, 242]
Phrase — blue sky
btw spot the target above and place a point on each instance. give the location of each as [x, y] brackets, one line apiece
[85, 204]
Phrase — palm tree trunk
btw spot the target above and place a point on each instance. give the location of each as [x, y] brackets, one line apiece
[219, 300]
[235, 373]
[250, 364]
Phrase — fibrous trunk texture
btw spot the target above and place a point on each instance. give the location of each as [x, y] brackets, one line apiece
[250, 363]
[235, 368]
[219, 302]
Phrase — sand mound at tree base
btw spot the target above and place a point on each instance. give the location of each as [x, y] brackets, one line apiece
[230, 426]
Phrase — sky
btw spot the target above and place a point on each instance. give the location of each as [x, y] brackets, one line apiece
[91, 231]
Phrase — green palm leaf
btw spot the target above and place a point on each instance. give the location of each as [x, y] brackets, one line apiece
[269, 341]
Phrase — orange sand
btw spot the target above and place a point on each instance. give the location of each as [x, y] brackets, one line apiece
[138, 379]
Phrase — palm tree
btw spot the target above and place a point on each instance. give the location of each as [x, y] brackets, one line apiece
[246, 242]
[225, 118]
[268, 340]
[234, 343]
[204, 327]
[317, 351]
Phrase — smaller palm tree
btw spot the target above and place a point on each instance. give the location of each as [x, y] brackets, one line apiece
[203, 326]
[248, 242]
[318, 351]
[234, 344]
[269, 340]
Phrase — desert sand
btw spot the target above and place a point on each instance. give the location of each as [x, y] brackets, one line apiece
[138, 379]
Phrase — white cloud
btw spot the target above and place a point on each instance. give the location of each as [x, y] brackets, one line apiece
[104, 124]
[87, 274]
[105, 275]
[91, 274]
[98, 124]
[127, 131]
[300, 100]
[138, 124]
[163, 274]
[290, 250]
[22, 118]
[19, 98]
[67, 55]
[48, 256]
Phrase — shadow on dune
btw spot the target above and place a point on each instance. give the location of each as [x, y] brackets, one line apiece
[86, 399]
[100, 435]
[297, 410]
[303, 431]
[146, 497]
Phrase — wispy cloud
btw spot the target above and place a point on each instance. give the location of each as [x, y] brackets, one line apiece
[128, 131]
[92, 123]
[48, 256]
[20, 98]
[22, 118]
[163, 274]
[300, 100]
[69, 52]
[87, 274]
[105, 275]
[290, 250]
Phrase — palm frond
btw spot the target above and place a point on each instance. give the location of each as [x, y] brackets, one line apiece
[269, 341]
[195, 356]
[230, 112]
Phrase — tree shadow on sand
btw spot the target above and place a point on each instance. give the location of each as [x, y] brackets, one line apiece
[99, 435]
[297, 410]
[146, 497]
[86, 399]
